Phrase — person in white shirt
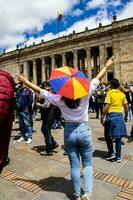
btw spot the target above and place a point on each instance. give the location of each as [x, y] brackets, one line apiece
[77, 132]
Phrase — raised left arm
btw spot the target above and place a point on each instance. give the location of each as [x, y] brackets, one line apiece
[105, 68]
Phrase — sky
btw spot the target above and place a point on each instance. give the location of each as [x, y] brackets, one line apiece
[27, 21]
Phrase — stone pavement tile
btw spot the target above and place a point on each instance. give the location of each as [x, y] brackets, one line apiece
[108, 166]
[48, 171]
[26, 163]
[104, 191]
[127, 171]
[128, 149]
[103, 165]
[9, 191]
[48, 195]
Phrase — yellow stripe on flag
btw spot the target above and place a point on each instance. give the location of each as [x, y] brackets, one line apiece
[79, 90]
[64, 70]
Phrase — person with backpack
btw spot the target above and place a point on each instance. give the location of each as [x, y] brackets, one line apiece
[7, 106]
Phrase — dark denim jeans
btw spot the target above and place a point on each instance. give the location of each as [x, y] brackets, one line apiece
[49, 140]
[109, 142]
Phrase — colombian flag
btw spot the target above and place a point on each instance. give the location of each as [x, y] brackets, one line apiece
[59, 16]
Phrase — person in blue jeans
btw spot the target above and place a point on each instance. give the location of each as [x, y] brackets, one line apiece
[115, 127]
[24, 104]
[77, 132]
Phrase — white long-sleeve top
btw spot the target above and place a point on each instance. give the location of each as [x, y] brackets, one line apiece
[79, 114]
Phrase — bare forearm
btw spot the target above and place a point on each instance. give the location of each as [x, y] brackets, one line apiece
[104, 70]
[32, 86]
[105, 110]
[126, 112]
[101, 73]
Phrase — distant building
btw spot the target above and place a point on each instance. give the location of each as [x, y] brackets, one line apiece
[87, 50]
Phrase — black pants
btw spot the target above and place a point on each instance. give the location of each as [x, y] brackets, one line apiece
[49, 140]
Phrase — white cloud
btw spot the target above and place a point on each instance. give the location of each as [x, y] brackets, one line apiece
[18, 17]
[102, 3]
[91, 22]
[96, 3]
[126, 12]
[77, 12]
[31, 15]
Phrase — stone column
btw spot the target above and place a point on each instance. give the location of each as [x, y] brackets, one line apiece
[102, 56]
[18, 62]
[53, 61]
[26, 70]
[88, 62]
[43, 70]
[34, 72]
[116, 53]
[102, 59]
[63, 59]
[75, 58]
[17, 71]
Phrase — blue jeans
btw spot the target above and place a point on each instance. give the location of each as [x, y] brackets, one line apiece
[25, 124]
[78, 143]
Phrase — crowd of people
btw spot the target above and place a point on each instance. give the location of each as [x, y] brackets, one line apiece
[112, 103]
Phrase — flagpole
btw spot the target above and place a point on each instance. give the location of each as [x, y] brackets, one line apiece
[58, 21]
[59, 18]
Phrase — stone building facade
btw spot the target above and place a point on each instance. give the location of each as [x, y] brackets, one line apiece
[87, 50]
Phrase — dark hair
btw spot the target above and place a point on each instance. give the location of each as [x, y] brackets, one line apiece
[45, 84]
[71, 103]
[114, 83]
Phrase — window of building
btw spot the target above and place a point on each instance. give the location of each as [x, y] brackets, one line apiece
[109, 52]
[21, 68]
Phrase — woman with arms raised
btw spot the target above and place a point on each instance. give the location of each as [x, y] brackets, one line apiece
[77, 132]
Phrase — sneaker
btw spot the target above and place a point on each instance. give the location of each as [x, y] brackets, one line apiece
[77, 198]
[1, 167]
[65, 153]
[86, 197]
[4, 164]
[110, 157]
[20, 139]
[118, 160]
[130, 139]
[29, 141]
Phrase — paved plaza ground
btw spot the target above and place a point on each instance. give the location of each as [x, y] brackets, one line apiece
[31, 176]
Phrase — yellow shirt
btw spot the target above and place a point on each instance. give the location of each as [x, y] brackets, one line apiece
[116, 99]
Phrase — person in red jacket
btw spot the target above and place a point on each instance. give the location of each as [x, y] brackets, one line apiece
[7, 89]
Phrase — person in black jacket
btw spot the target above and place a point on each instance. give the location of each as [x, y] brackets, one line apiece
[48, 115]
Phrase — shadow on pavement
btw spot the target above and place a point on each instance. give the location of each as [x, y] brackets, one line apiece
[101, 139]
[100, 154]
[39, 149]
[15, 129]
[15, 137]
[54, 184]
